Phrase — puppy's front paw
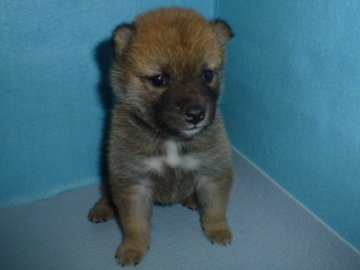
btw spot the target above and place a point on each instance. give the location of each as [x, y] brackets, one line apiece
[219, 233]
[130, 253]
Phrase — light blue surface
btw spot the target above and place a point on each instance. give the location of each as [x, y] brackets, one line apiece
[293, 100]
[53, 60]
[270, 232]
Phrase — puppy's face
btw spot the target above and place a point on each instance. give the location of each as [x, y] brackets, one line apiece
[168, 69]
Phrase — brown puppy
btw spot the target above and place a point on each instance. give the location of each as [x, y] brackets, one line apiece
[167, 141]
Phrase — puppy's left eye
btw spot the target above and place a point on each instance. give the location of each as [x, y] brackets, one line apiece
[207, 75]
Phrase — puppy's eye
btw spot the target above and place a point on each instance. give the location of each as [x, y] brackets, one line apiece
[159, 80]
[208, 75]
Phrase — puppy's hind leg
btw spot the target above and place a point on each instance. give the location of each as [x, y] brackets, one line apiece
[191, 202]
[101, 211]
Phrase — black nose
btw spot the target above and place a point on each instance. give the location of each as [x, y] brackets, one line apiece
[194, 114]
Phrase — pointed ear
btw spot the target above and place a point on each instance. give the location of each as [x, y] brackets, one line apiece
[222, 30]
[121, 37]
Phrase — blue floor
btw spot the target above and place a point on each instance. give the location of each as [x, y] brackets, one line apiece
[271, 231]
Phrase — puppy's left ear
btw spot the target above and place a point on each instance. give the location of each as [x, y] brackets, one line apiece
[222, 30]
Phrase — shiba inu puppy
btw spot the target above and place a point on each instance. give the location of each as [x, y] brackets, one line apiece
[167, 141]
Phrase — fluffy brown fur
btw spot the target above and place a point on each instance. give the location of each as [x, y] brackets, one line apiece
[167, 142]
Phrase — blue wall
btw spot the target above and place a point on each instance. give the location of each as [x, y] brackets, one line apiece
[293, 100]
[54, 60]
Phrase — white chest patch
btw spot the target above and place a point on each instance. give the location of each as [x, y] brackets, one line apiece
[172, 159]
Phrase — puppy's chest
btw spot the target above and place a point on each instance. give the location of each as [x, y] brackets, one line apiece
[173, 173]
[172, 158]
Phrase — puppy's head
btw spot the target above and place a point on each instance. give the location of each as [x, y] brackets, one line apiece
[168, 69]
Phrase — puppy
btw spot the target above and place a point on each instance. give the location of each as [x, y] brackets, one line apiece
[167, 141]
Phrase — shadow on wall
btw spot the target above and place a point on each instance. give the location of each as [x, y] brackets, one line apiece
[104, 58]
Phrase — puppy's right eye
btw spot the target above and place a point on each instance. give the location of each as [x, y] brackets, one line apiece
[159, 80]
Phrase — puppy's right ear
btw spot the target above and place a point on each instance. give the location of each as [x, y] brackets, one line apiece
[122, 36]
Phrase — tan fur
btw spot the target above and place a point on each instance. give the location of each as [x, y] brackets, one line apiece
[147, 164]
